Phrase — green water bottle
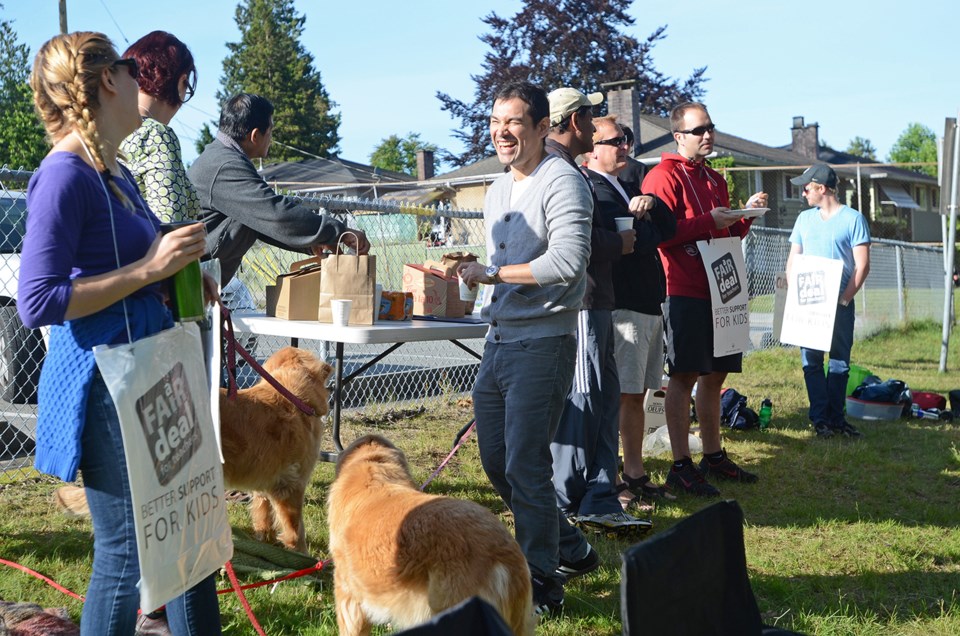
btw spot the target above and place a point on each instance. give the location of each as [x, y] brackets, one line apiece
[185, 287]
[766, 412]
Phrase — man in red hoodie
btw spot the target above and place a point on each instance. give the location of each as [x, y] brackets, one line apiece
[698, 197]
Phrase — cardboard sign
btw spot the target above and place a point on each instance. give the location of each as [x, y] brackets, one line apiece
[727, 277]
[811, 307]
[297, 292]
[654, 410]
[435, 292]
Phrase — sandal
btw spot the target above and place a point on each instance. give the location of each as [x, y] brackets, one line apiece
[645, 489]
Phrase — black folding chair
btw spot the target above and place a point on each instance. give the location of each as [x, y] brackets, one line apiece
[692, 580]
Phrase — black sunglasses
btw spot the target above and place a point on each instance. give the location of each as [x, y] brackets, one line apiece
[614, 141]
[699, 131]
[131, 65]
[191, 86]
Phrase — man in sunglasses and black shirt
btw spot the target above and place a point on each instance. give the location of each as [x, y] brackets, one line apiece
[698, 197]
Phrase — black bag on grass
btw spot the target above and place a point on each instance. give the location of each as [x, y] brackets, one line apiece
[735, 413]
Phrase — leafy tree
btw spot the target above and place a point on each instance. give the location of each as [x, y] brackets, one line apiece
[400, 153]
[579, 43]
[916, 143]
[861, 147]
[22, 142]
[205, 137]
[270, 61]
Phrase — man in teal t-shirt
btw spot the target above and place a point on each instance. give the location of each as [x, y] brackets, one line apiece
[832, 230]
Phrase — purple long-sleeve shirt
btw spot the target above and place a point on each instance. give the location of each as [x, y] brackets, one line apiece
[70, 235]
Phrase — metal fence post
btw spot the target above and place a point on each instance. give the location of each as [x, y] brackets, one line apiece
[901, 301]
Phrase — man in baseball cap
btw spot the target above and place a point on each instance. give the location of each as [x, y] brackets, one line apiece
[817, 173]
[566, 101]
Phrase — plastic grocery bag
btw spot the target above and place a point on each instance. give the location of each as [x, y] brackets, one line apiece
[658, 443]
[159, 386]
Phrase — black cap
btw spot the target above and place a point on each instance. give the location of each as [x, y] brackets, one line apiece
[817, 173]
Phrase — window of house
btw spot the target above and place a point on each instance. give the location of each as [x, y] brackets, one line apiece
[791, 191]
[921, 197]
[934, 199]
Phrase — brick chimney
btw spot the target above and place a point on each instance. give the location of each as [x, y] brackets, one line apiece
[424, 165]
[623, 100]
[806, 139]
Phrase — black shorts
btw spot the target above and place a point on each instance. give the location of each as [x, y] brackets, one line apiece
[689, 335]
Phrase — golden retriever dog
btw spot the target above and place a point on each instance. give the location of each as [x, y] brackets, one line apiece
[402, 556]
[270, 447]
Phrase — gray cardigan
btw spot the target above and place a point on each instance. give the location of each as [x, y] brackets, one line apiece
[238, 208]
[549, 228]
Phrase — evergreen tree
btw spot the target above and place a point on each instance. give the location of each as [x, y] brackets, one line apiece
[270, 61]
[577, 43]
[22, 142]
[916, 143]
[861, 147]
[205, 136]
[399, 154]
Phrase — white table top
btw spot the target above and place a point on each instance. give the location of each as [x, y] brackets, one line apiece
[382, 332]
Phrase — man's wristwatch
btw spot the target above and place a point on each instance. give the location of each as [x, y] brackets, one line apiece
[493, 273]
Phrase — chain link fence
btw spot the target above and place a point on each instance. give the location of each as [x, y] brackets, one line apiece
[905, 283]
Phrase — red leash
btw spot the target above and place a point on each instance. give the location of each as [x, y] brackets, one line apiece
[233, 348]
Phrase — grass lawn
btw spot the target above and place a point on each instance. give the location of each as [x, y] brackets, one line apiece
[842, 536]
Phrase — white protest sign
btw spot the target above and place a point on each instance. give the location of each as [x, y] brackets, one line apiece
[779, 302]
[727, 276]
[812, 293]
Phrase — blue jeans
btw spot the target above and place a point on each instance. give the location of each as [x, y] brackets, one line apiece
[517, 400]
[828, 394]
[587, 441]
[112, 597]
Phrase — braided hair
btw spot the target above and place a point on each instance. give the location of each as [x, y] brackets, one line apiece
[65, 83]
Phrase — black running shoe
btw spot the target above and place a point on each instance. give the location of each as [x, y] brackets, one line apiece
[845, 428]
[726, 469]
[585, 565]
[823, 431]
[690, 480]
[547, 596]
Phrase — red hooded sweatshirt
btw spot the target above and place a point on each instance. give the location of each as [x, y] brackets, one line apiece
[690, 190]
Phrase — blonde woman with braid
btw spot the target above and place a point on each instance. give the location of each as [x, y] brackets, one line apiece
[92, 261]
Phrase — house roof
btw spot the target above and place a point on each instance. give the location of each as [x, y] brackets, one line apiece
[313, 173]
[485, 167]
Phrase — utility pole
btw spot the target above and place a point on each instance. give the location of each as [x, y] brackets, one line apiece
[63, 17]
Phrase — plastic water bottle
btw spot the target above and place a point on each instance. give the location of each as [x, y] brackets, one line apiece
[766, 412]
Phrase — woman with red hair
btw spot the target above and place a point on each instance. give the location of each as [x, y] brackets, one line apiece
[167, 80]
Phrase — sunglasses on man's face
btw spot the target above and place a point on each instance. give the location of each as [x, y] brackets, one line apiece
[614, 141]
[131, 65]
[699, 131]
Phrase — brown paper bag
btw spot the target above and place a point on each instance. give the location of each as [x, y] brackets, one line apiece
[454, 259]
[349, 277]
[296, 293]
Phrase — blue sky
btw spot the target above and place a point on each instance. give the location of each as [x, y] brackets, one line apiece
[856, 67]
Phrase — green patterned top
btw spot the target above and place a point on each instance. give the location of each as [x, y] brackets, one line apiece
[153, 156]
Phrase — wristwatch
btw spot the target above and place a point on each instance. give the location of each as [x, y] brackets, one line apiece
[493, 273]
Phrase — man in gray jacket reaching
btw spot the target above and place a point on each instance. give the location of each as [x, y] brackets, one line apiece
[537, 221]
[239, 208]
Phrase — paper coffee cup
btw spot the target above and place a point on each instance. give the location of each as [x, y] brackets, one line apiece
[341, 311]
[624, 223]
[467, 294]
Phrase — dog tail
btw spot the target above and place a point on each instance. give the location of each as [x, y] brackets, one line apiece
[72, 500]
[514, 598]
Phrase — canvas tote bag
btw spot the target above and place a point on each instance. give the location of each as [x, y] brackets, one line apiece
[160, 387]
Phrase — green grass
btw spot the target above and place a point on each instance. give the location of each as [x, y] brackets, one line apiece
[842, 537]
